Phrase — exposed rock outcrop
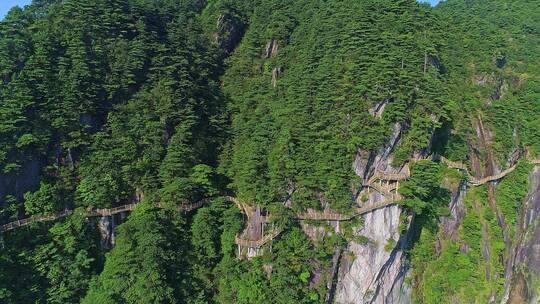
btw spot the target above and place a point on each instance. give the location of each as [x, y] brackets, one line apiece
[377, 109]
[276, 74]
[377, 271]
[449, 225]
[107, 229]
[229, 32]
[523, 286]
[271, 49]
[374, 272]
[17, 183]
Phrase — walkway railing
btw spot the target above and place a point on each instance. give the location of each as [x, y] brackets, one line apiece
[34, 219]
[382, 187]
[186, 207]
[317, 216]
[239, 240]
[387, 176]
[478, 182]
[453, 164]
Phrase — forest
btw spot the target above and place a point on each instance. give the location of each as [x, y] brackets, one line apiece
[270, 151]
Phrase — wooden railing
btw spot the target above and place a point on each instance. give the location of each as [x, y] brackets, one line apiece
[382, 188]
[453, 164]
[317, 216]
[391, 198]
[478, 182]
[186, 207]
[330, 216]
[474, 181]
[34, 219]
[323, 216]
[111, 211]
[243, 242]
[387, 176]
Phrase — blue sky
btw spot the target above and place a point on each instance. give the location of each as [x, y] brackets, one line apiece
[5, 5]
[432, 2]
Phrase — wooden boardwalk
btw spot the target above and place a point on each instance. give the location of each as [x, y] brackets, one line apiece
[383, 188]
[318, 216]
[246, 243]
[376, 183]
[186, 207]
[379, 176]
[479, 182]
[474, 181]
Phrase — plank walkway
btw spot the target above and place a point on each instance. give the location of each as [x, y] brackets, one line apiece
[474, 181]
[479, 182]
[386, 190]
[187, 207]
[382, 188]
[257, 243]
[378, 175]
[319, 216]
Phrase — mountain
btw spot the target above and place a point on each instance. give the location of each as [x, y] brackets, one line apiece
[265, 151]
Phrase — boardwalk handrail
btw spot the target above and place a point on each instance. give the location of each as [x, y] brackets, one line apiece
[239, 240]
[534, 161]
[382, 188]
[333, 216]
[379, 175]
[186, 207]
[474, 181]
[478, 182]
[318, 216]
[453, 164]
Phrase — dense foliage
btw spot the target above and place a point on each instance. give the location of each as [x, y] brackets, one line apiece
[164, 102]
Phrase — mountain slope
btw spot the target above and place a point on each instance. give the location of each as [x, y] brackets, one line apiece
[345, 151]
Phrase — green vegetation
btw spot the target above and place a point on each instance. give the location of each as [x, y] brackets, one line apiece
[335, 65]
[110, 102]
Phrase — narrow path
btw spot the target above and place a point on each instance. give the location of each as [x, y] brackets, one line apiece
[187, 207]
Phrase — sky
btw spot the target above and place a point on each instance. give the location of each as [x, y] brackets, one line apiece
[432, 2]
[5, 5]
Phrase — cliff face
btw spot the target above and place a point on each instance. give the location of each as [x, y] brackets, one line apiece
[523, 286]
[374, 272]
[26, 179]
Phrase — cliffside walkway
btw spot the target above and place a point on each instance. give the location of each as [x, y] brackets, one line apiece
[243, 242]
[318, 216]
[474, 181]
[378, 175]
[187, 207]
[479, 182]
[375, 182]
[334, 216]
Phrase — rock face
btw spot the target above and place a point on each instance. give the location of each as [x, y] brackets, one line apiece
[271, 49]
[27, 179]
[229, 32]
[449, 225]
[107, 229]
[524, 286]
[374, 272]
